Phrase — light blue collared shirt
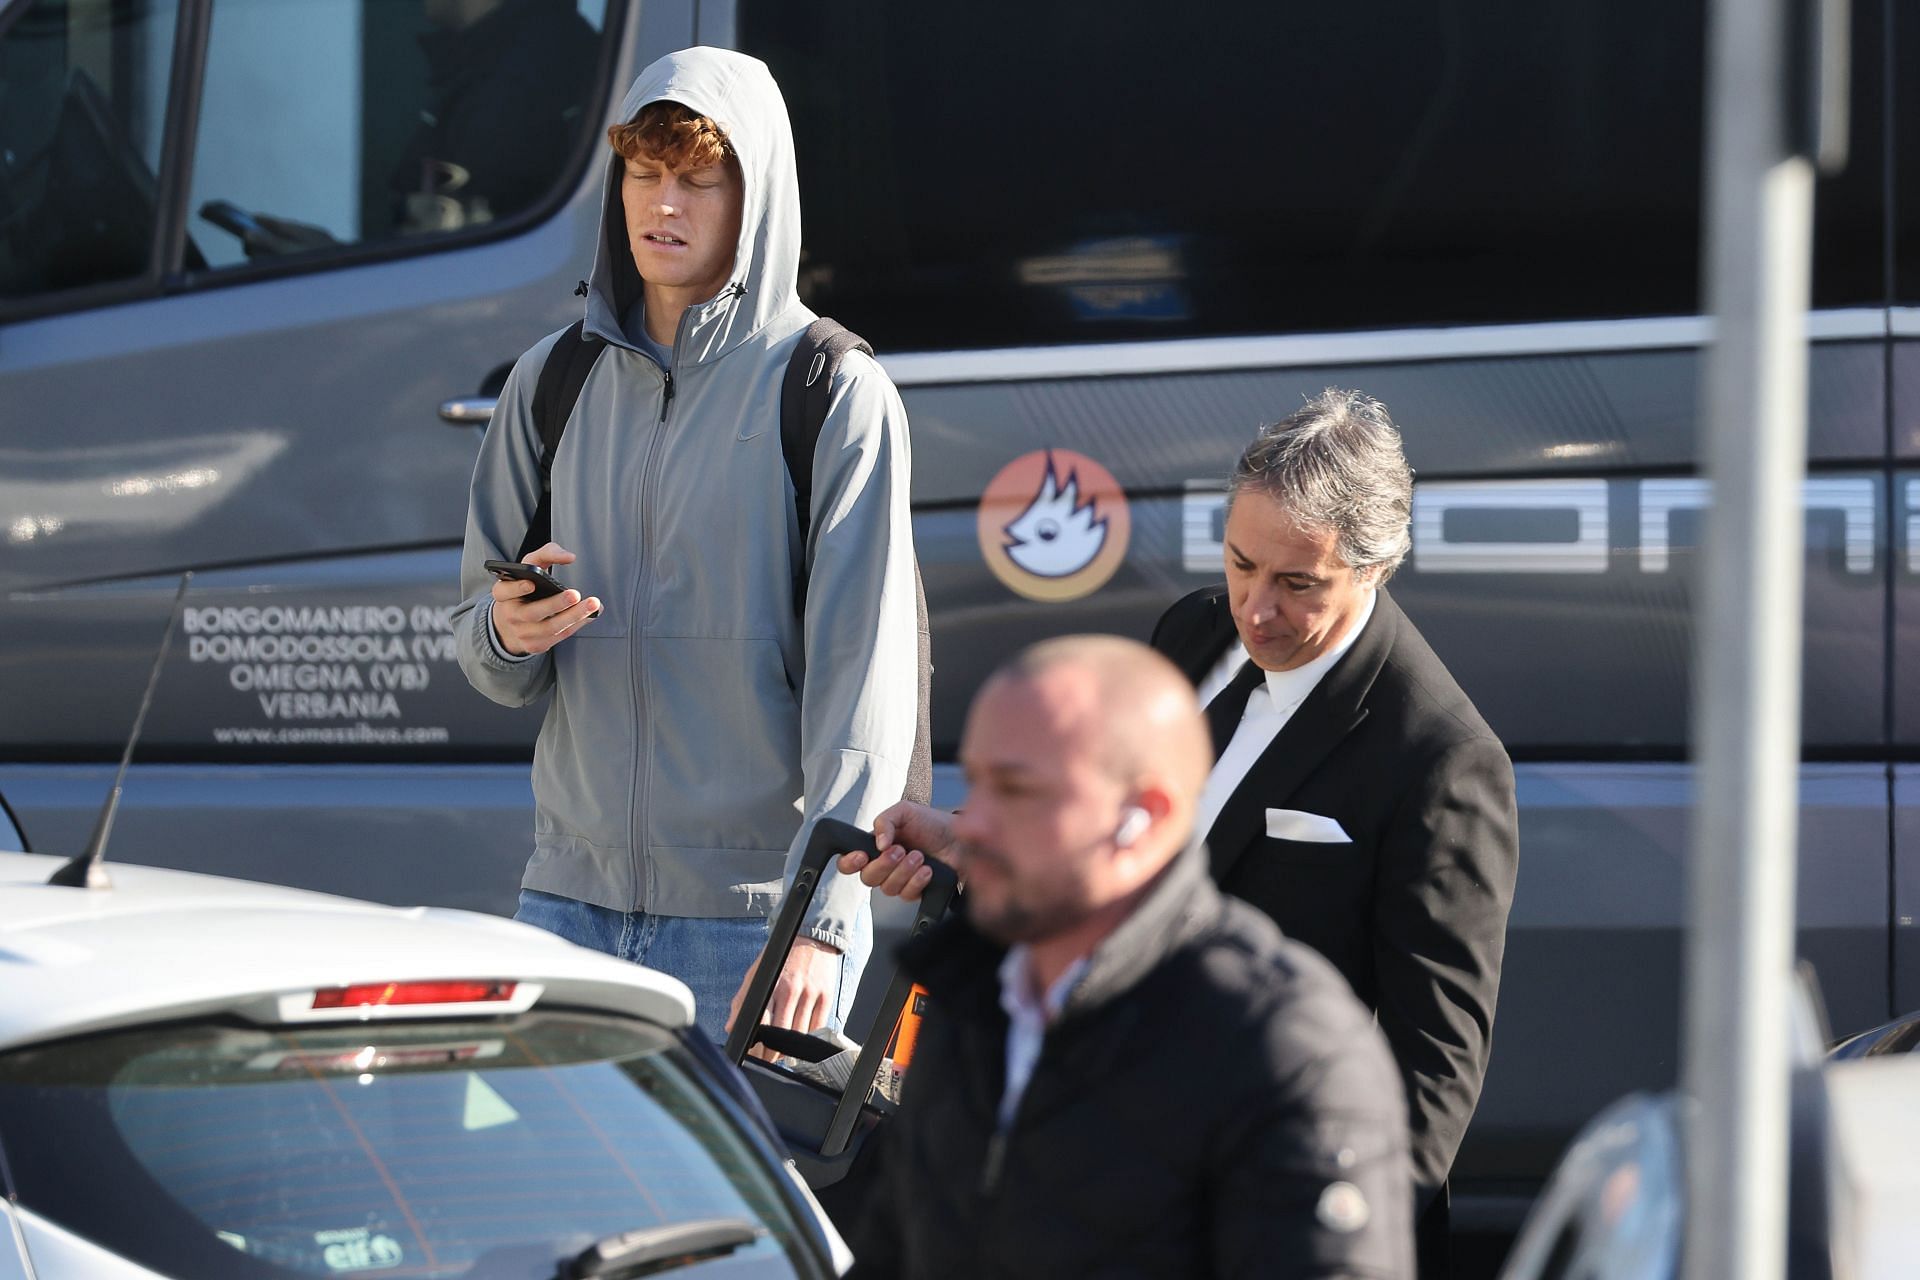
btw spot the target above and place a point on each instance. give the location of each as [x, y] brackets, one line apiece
[1027, 1021]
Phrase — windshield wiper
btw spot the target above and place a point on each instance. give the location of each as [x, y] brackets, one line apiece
[652, 1250]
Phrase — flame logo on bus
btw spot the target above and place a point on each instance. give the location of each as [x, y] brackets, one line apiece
[1053, 525]
[1058, 534]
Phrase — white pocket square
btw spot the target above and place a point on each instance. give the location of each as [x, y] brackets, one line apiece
[1294, 824]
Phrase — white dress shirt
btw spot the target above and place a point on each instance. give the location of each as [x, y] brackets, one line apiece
[1027, 1020]
[1269, 706]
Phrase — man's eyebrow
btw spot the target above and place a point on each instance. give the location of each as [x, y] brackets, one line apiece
[1302, 574]
[1005, 770]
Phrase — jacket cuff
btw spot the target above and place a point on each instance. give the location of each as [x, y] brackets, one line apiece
[837, 941]
[836, 905]
[493, 638]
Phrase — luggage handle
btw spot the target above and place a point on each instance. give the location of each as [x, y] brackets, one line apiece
[795, 1044]
[829, 840]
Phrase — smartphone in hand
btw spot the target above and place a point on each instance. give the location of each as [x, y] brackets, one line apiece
[544, 583]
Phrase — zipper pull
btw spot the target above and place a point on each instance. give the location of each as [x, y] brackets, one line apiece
[996, 1161]
[666, 398]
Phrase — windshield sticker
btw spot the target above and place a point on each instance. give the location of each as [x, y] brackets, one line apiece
[358, 1249]
[1053, 525]
[485, 1108]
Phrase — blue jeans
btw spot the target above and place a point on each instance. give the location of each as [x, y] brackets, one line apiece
[710, 955]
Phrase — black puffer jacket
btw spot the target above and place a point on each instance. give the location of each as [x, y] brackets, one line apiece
[1212, 1101]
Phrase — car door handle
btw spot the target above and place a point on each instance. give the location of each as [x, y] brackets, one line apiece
[469, 411]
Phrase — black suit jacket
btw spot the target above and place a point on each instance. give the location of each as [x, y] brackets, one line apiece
[1414, 911]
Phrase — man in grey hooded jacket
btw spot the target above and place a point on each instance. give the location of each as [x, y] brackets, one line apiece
[700, 724]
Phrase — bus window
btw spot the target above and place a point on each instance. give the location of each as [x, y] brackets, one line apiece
[341, 122]
[83, 93]
[1279, 167]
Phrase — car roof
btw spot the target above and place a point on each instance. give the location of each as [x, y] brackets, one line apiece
[163, 944]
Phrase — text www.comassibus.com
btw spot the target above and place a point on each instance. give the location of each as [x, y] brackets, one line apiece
[333, 735]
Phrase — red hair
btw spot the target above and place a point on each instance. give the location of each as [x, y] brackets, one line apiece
[670, 134]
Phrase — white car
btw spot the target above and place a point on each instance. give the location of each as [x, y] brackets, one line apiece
[206, 1079]
[1615, 1208]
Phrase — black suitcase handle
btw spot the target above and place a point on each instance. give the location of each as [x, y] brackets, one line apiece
[829, 840]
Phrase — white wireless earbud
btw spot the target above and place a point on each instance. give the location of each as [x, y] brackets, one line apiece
[1134, 822]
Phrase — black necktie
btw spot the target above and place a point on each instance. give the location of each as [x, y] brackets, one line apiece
[1224, 712]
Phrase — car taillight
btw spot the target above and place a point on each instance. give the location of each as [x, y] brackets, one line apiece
[413, 993]
[400, 1001]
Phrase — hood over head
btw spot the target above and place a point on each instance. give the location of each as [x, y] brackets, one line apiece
[739, 94]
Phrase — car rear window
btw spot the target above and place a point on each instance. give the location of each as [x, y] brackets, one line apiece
[486, 1149]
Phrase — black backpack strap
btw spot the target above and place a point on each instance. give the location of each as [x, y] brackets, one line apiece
[561, 378]
[919, 787]
[804, 399]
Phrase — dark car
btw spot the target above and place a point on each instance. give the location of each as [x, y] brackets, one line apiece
[1615, 1208]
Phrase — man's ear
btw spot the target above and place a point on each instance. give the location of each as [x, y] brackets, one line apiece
[1156, 803]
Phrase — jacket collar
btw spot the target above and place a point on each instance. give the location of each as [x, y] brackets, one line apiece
[1335, 708]
[1180, 903]
[1216, 633]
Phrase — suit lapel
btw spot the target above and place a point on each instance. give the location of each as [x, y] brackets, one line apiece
[1213, 632]
[1333, 710]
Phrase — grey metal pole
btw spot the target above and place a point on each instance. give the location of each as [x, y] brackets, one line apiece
[1746, 660]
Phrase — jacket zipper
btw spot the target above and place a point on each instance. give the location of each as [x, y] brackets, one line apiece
[993, 1168]
[995, 1162]
[643, 574]
[639, 800]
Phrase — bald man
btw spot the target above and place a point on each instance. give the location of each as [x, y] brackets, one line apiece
[1123, 1072]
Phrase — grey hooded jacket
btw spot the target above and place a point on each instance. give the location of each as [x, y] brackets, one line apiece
[697, 729]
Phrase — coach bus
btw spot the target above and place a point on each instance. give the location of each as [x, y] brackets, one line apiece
[245, 329]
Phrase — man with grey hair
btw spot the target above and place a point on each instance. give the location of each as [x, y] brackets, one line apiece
[1357, 797]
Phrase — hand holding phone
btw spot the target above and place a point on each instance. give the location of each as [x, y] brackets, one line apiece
[519, 625]
[544, 583]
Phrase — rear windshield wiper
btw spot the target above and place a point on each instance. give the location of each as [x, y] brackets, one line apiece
[652, 1250]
